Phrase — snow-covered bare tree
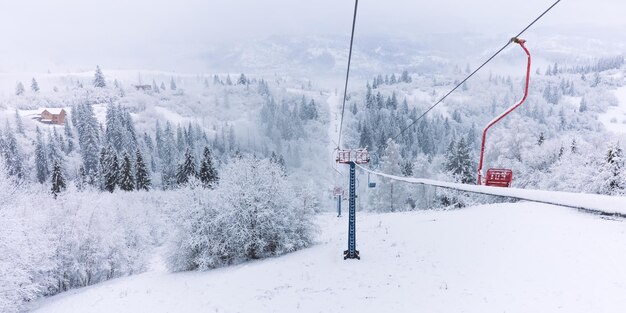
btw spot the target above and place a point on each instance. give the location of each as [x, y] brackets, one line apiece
[233, 225]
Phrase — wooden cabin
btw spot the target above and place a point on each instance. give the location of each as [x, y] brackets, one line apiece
[53, 116]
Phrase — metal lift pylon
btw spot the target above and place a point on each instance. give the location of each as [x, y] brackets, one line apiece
[352, 158]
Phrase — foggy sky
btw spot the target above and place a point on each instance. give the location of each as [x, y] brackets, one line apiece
[69, 34]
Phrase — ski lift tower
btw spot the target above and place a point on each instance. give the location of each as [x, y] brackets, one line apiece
[352, 157]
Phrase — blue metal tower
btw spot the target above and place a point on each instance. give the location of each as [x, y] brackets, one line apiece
[352, 252]
[352, 158]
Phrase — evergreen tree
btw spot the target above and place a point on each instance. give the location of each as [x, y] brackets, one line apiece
[109, 167]
[34, 86]
[12, 155]
[58, 181]
[155, 88]
[98, 80]
[613, 170]
[458, 161]
[19, 89]
[162, 86]
[87, 127]
[126, 179]
[172, 84]
[67, 128]
[583, 105]
[142, 176]
[208, 174]
[180, 138]
[19, 125]
[541, 139]
[405, 77]
[242, 80]
[82, 179]
[169, 155]
[158, 139]
[187, 169]
[113, 133]
[41, 159]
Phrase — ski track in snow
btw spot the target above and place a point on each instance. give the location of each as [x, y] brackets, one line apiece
[522, 257]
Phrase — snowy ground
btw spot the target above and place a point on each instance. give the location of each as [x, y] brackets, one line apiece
[614, 119]
[522, 257]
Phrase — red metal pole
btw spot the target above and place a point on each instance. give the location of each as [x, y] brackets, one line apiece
[521, 42]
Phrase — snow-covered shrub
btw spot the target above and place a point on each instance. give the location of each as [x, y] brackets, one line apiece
[49, 246]
[253, 214]
[98, 236]
[24, 250]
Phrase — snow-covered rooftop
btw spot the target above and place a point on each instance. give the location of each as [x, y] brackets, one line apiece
[54, 111]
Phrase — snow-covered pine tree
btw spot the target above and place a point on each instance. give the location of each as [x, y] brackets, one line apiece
[158, 139]
[13, 156]
[242, 80]
[155, 88]
[583, 105]
[208, 174]
[172, 84]
[87, 128]
[82, 179]
[58, 181]
[19, 89]
[113, 133]
[142, 176]
[126, 179]
[169, 155]
[187, 169]
[19, 125]
[180, 138]
[34, 86]
[41, 158]
[614, 168]
[109, 167]
[99, 81]
[405, 77]
[458, 161]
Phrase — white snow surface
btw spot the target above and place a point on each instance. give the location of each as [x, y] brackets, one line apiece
[523, 257]
[614, 119]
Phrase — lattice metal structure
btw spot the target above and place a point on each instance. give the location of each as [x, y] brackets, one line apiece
[352, 158]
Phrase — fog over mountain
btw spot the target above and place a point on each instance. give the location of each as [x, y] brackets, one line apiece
[70, 35]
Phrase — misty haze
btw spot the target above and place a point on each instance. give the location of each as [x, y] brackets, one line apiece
[312, 156]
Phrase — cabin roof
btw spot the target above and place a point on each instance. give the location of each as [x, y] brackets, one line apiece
[54, 111]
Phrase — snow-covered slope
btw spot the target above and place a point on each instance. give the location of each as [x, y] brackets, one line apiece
[522, 257]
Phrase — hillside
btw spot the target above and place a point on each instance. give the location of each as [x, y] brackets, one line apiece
[506, 257]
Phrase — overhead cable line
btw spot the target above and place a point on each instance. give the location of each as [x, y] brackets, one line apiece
[476, 70]
[345, 91]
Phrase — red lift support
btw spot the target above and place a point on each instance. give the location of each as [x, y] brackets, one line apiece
[504, 176]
